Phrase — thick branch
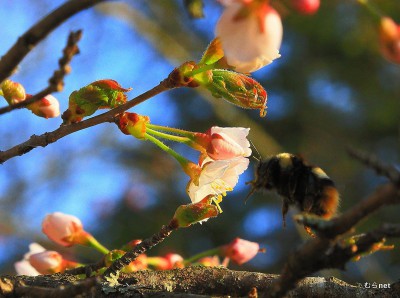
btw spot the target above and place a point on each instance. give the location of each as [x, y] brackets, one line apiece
[38, 32]
[56, 81]
[64, 130]
[187, 282]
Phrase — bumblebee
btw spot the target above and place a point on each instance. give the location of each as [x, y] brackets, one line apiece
[298, 183]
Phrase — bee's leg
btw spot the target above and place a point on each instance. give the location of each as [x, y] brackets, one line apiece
[285, 209]
[309, 231]
[308, 203]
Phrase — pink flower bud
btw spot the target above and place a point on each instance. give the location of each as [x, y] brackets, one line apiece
[47, 262]
[133, 124]
[390, 39]
[258, 27]
[64, 229]
[13, 92]
[306, 6]
[47, 107]
[240, 251]
[23, 267]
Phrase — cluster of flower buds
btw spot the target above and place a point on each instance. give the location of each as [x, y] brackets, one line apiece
[67, 230]
[13, 92]
[102, 94]
[223, 156]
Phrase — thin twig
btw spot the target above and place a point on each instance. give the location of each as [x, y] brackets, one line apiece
[142, 247]
[373, 162]
[56, 83]
[38, 32]
[87, 270]
[316, 254]
[64, 130]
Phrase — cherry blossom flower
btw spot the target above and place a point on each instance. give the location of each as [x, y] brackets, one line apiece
[240, 251]
[250, 34]
[216, 178]
[390, 39]
[225, 142]
[47, 107]
[63, 229]
[24, 267]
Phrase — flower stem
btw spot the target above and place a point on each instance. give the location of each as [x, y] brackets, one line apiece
[183, 161]
[92, 242]
[201, 69]
[207, 253]
[372, 9]
[168, 136]
[182, 132]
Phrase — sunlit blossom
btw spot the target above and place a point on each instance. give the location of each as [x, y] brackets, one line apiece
[24, 267]
[240, 251]
[47, 262]
[63, 229]
[252, 39]
[226, 142]
[47, 107]
[216, 178]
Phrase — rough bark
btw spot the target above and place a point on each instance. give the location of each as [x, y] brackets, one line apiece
[187, 282]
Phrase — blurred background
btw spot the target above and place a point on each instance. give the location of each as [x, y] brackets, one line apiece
[331, 88]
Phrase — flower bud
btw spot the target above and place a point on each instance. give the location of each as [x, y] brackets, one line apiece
[13, 92]
[47, 107]
[254, 24]
[23, 267]
[390, 39]
[87, 100]
[238, 89]
[168, 262]
[240, 251]
[47, 262]
[186, 215]
[209, 261]
[64, 229]
[306, 6]
[133, 124]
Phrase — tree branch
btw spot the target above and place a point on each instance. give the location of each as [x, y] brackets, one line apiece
[373, 162]
[323, 252]
[64, 130]
[140, 248]
[56, 81]
[38, 32]
[187, 282]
